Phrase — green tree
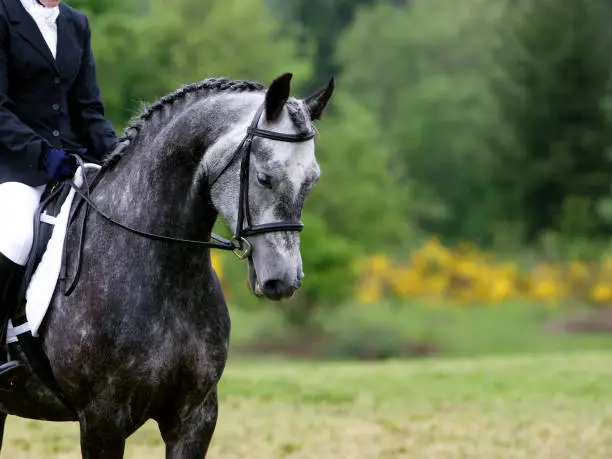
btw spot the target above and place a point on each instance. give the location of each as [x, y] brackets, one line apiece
[193, 40]
[422, 71]
[360, 195]
[145, 53]
[96, 8]
[116, 38]
[320, 23]
[551, 91]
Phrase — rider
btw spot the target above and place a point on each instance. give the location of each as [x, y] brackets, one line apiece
[49, 102]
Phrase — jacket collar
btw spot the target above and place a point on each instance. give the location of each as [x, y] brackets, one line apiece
[27, 28]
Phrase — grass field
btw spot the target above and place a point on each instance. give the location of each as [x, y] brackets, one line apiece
[545, 406]
[505, 329]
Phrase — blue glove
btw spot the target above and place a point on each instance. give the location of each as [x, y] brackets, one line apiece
[58, 164]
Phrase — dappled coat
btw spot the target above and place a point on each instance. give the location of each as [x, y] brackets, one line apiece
[47, 101]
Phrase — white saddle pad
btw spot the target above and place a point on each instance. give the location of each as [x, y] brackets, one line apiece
[44, 280]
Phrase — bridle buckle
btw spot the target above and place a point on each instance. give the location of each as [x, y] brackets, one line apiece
[243, 248]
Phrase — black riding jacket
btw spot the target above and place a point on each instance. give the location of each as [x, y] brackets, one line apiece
[46, 101]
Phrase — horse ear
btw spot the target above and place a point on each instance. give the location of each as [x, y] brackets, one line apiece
[277, 95]
[317, 102]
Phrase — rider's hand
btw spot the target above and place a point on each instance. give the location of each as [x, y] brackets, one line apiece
[58, 164]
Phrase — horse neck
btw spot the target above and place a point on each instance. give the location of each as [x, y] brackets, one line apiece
[160, 186]
[152, 186]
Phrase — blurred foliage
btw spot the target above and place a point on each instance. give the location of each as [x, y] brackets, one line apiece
[145, 50]
[320, 24]
[553, 81]
[468, 277]
[361, 195]
[482, 120]
[374, 342]
[423, 71]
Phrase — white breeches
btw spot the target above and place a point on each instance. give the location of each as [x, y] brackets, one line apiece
[18, 204]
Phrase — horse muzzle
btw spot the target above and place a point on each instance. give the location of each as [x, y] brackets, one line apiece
[277, 290]
[272, 289]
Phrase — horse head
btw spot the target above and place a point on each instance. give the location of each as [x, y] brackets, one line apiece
[260, 190]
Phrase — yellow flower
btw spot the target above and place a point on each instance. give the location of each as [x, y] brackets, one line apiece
[405, 282]
[433, 250]
[500, 289]
[546, 289]
[436, 284]
[378, 265]
[468, 276]
[602, 292]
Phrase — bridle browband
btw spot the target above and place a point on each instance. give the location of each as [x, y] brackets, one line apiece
[238, 244]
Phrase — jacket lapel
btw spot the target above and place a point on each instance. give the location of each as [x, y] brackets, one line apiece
[68, 49]
[25, 25]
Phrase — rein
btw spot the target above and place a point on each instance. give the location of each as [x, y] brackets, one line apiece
[238, 244]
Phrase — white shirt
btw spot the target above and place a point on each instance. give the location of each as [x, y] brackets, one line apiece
[45, 19]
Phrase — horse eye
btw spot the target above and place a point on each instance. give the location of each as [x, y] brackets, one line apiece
[264, 180]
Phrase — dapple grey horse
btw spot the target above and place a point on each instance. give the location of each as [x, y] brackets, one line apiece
[145, 332]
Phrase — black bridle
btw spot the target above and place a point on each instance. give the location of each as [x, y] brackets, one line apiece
[244, 149]
[238, 244]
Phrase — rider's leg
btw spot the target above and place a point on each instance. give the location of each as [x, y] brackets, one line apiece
[8, 274]
[18, 204]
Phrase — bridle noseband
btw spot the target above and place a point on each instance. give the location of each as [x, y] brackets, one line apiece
[238, 244]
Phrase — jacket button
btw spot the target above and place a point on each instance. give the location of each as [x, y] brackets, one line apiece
[56, 107]
[56, 133]
[56, 80]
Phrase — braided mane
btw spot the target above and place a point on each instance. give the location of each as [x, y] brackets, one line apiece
[147, 115]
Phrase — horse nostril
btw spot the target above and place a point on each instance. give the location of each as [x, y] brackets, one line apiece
[273, 286]
[277, 289]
